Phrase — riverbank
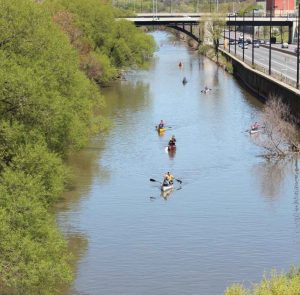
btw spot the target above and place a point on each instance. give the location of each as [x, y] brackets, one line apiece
[52, 63]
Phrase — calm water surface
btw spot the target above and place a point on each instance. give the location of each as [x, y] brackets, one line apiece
[235, 216]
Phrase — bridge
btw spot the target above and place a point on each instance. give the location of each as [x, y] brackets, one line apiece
[187, 23]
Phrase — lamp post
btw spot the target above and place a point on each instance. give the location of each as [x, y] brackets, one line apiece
[224, 32]
[253, 31]
[270, 35]
[298, 41]
[243, 45]
[235, 34]
[229, 33]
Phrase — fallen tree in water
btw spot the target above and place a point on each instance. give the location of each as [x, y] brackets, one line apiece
[280, 132]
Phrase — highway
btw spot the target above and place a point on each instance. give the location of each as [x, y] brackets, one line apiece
[282, 63]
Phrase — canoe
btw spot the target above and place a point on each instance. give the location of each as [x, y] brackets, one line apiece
[253, 131]
[165, 188]
[161, 130]
[172, 148]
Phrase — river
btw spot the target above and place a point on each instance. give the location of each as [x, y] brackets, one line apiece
[234, 217]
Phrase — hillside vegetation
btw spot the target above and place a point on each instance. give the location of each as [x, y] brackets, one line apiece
[52, 54]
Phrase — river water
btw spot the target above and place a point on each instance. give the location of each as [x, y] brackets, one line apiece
[234, 217]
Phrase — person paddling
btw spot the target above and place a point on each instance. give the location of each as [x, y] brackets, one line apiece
[180, 64]
[172, 141]
[255, 126]
[161, 124]
[168, 179]
[184, 81]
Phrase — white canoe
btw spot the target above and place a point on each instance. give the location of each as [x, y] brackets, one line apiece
[253, 131]
[165, 188]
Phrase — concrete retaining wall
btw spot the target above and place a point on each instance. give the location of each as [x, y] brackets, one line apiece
[263, 85]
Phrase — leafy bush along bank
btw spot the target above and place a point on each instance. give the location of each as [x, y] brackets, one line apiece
[104, 45]
[47, 108]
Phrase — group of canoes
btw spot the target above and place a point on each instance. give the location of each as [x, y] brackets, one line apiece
[167, 183]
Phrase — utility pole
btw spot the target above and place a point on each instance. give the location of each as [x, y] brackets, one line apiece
[235, 34]
[298, 46]
[270, 35]
[253, 33]
[243, 36]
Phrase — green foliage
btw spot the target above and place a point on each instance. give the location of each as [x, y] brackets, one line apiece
[236, 289]
[50, 56]
[33, 254]
[277, 284]
[105, 45]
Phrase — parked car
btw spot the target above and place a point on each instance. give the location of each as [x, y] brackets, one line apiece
[295, 50]
[232, 42]
[284, 45]
[256, 44]
[261, 41]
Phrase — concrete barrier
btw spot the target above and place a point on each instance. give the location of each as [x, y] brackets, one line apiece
[263, 85]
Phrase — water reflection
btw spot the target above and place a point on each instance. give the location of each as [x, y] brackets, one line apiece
[296, 196]
[271, 175]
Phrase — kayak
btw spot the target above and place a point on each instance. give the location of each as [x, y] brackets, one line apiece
[171, 148]
[161, 130]
[205, 90]
[253, 131]
[165, 188]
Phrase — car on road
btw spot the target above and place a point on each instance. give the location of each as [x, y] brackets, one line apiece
[243, 45]
[261, 41]
[284, 45]
[295, 50]
[256, 44]
[249, 40]
[232, 42]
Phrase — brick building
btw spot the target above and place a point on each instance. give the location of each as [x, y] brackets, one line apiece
[281, 7]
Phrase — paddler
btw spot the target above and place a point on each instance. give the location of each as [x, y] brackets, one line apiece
[172, 141]
[161, 124]
[169, 178]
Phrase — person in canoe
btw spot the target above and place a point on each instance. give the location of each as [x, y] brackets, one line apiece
[184, 81]
[168, 179]
[205, 90]
[172, 141]
[161, 124]
[255, 126]
[180, 64]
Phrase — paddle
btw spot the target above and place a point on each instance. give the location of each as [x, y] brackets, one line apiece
[178, 180]
[153, 180]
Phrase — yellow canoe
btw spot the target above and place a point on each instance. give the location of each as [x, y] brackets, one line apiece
[161, 130]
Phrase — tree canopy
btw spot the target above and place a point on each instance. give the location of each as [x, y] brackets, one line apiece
[51, 55]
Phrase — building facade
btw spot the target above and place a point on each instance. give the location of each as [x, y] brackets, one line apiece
[281, 7]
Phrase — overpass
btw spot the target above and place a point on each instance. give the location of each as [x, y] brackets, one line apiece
[186, 22]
